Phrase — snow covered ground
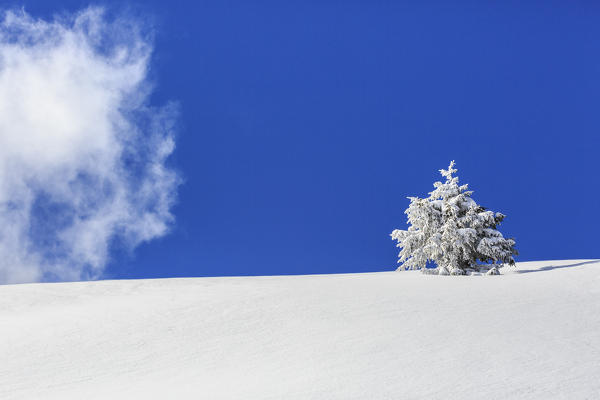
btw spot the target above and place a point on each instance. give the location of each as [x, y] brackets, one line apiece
[529, 334]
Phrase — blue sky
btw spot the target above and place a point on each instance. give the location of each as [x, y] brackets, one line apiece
[303, 126]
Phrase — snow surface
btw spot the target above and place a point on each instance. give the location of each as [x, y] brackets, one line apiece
[529, 334]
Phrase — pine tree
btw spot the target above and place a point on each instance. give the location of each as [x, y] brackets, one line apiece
[452, 230]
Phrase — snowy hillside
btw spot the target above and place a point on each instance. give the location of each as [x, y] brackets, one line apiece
[529, 334]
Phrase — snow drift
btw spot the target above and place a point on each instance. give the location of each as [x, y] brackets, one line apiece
[531, 333]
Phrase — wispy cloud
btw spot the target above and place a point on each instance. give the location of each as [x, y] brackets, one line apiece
[82, 154]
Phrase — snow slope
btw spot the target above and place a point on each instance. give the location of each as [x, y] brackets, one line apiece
[529, 334]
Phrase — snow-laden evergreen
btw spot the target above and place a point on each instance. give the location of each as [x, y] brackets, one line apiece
[452, 230]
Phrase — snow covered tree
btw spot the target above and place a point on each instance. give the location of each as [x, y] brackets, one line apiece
[453, 231]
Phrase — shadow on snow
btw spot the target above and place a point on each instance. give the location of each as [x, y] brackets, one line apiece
[551, 267]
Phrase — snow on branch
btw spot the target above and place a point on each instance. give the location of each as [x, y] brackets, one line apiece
[450, 229]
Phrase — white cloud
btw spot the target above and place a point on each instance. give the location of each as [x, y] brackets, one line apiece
[82, 154]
